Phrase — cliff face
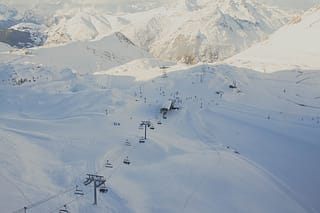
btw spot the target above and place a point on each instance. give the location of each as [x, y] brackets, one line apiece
[16, 38]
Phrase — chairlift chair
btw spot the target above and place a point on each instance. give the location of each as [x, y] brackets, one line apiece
[108, 164]
[78, 191]
[140, 127]
[142, 140]
[126, 161]
[159, 122]
[65, 210]
[152, 127]
[103, 189]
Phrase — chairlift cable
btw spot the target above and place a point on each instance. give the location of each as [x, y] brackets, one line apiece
[17, 188]
[32, 205]
[68, 203]
[40, 202]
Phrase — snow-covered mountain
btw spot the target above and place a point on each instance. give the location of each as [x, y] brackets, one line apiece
[231, 139]
[78, 25]
[179, 31]
[206, 31]
[185, 31]
[84, 56]
[21, 30]
[294, 46]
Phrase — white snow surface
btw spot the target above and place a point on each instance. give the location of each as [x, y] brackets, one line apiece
[241, 140]
[294, 46]
[254, 148]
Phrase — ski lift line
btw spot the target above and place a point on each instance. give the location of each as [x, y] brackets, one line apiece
[102, 166]
[68, 203]
[17, 188]
[40, 202]
[123, 152]
[32, 205]
[120, 163]
[116, 168]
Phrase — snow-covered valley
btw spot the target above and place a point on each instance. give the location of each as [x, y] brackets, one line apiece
[240, 140]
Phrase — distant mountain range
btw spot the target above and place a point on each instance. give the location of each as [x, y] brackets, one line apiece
[183, 31]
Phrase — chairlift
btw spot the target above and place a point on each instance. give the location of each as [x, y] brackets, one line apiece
[78, 191]
[152, 127]
[159, 122]
[127, 143]
[142, 140]
[64, 210]
[126, 161]
[108, 164]
[140, 127]
[103, 189]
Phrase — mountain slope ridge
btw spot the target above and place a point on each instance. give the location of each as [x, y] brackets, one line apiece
[294, 46]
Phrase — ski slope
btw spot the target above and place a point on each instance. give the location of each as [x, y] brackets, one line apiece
[241, 140]
[251, 149]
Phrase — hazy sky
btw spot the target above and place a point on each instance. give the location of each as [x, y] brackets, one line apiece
[294, 4]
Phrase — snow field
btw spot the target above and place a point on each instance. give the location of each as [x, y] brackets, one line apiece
[188, 162]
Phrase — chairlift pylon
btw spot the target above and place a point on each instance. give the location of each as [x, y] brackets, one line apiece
[87, 181]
